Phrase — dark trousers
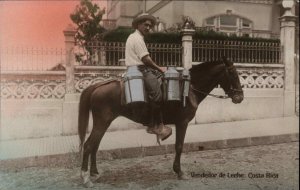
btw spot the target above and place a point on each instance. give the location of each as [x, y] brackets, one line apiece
[152, 81]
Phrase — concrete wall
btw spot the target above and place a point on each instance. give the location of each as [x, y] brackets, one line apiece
[31, 118]
[21, 119]
[168, 16]
[124, 11]
[262, 103]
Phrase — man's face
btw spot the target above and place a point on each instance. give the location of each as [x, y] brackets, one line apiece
[145, 27]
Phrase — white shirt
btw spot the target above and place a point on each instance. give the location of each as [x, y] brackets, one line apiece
[135, 49]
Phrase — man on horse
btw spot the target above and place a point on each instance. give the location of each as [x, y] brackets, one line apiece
[136, 54]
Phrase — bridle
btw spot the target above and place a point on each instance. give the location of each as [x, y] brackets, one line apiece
[209, 94]
[231, 90]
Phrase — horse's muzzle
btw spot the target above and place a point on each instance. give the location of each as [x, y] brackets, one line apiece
[237, 98]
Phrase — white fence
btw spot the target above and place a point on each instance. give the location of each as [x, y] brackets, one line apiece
[236, 51]
[31, 58]
[109, 53]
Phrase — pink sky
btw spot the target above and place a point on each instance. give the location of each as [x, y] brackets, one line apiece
[35, 23]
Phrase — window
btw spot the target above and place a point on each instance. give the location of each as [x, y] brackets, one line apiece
[228, 20]
[229, 24]
[246, 23]
[210, 21]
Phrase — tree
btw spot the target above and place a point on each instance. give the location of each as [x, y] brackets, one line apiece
[87, 16]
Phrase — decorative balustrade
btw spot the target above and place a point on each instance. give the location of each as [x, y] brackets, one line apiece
[236, 51]
[33, 85]
[256, 76]
[51, 84]
[87, 75]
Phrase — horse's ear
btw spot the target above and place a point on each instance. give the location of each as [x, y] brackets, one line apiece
[227, 62]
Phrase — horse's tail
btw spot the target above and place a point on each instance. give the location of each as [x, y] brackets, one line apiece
[84, 113]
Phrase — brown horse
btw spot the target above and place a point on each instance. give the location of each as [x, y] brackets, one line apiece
[105, 102]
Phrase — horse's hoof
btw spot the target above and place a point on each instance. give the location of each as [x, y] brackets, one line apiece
[86, 179]
[88, 184]
[183, 176]
[95, 176]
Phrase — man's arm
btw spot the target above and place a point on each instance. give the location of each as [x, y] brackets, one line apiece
[149, 62]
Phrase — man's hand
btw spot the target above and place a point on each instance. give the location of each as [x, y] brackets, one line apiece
[149, 62]
[163, 69]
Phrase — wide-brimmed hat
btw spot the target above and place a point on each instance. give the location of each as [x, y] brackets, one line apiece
[142, 17]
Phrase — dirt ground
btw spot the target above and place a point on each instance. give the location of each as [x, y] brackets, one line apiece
[257, 167]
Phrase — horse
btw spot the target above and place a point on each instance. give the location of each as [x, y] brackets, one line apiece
[105, 102]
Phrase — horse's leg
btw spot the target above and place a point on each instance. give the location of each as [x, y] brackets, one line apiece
[93, 170]
[101, 122]
[85, 160]
[180, 135]
[100, 128]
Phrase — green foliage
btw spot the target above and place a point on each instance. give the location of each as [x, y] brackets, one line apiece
[87, 17]
[212, 35]
[161, 37]
[121, 34]
[118, 35]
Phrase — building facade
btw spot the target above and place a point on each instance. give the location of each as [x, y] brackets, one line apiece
[254, 18]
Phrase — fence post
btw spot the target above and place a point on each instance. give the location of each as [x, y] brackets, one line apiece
[69, 34]
[287, 37]
[70, 104]
[187, 46]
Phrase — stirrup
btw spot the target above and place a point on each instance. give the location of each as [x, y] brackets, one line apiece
[158, 138]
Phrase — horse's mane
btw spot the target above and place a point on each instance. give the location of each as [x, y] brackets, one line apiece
[205, 66]
[205, 71]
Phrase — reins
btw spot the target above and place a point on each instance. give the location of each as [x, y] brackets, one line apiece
[208, 94]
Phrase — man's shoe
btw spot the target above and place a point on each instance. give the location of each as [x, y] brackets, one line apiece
[162, 131]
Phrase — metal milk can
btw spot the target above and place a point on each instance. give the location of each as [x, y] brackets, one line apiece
[172, 88]
[134, 85]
